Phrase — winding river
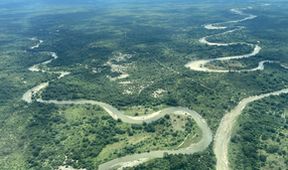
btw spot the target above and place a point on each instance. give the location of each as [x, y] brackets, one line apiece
[201, 65]
[223, 134]
[224, 131]
[130, 160]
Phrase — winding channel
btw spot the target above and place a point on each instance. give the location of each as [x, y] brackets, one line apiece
[130, 160]
[201, 65]
[223, 133]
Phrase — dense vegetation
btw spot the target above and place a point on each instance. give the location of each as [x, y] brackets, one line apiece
[85, 136]
[161, 39]
[260, 140]
[204, 160]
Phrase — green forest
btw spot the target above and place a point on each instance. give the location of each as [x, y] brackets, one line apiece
[148, 43]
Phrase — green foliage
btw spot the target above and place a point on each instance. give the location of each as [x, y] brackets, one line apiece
[257, 140]
[161, 40]
[77, 140]
[202, 160]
